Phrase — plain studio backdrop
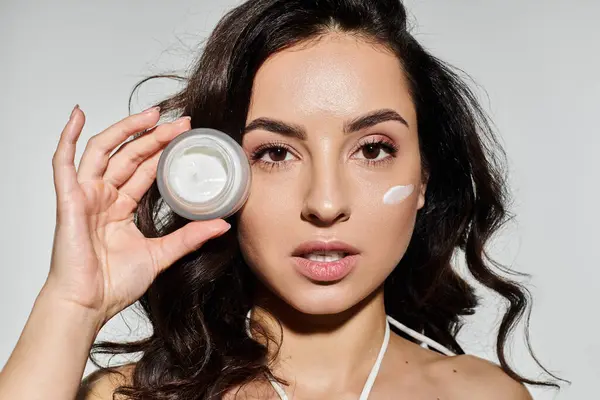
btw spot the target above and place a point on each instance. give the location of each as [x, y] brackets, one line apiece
[536, 65]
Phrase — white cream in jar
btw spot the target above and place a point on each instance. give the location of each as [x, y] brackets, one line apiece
[204, 174]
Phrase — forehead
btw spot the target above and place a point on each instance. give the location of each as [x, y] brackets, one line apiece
[338, 74]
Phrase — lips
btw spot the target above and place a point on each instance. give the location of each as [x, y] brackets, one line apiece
[324, 247]
[311, 259]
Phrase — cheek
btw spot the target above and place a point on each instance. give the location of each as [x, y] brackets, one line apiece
[267, 215]
[385, 214]
[393, 220]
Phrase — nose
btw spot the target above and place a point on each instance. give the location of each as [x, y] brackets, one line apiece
[326, 202]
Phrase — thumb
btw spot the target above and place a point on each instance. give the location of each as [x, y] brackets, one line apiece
[191, 237]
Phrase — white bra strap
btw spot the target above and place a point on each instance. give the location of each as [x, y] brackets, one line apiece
[370, 379]
[418, 336]
[278, 389]
[375, 370]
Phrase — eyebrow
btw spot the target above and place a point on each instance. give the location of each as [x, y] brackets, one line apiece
[298, 131]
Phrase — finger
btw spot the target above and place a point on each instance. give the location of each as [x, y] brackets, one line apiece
[141, 180]
[97, 151]
[123, 164]
[63, 160]
[191, 237]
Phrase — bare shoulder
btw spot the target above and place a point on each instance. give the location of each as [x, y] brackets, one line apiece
[100, 385]
[469, 377]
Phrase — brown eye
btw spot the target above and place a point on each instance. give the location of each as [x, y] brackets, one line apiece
[376, 151]
[371, 151]
[273, 154]
[277, 154]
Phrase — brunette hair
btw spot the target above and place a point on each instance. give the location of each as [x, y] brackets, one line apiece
[197, 308]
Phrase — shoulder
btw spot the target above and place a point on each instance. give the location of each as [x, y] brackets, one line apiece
[101, 384]
[470, 377]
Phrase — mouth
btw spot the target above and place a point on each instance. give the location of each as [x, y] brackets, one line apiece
[325, 261]
[322, 248]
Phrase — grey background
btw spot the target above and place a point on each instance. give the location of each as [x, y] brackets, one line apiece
[536, 64]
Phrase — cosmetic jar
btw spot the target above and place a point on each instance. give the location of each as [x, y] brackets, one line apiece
[204, 174]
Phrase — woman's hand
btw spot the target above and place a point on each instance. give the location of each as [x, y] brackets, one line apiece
[100, 260]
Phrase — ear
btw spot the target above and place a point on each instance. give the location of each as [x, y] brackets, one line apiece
[422, 190]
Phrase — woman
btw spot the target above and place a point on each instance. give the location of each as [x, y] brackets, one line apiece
[364, 148]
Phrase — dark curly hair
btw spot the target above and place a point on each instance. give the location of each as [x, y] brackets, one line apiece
[199, 348]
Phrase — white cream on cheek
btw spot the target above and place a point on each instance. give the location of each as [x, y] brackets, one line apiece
[397, 194]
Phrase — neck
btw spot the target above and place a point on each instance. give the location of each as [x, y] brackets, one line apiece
[322, 353]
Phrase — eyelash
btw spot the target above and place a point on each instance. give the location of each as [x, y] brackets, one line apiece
[386, 145]
[260, 151]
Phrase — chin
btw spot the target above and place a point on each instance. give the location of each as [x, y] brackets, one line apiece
[309, 297]
[323, 299]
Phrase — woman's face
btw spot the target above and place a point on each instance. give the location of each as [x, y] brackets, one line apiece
[330, 130]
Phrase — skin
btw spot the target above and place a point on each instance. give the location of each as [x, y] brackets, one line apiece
[322, 187]
[101, 263]
[325, 189]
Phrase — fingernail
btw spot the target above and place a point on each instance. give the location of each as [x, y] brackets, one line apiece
[226, 228]
[181, 119]
[73, 112]
[151, 110]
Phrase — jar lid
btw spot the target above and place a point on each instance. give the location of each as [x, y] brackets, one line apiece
[204, 174]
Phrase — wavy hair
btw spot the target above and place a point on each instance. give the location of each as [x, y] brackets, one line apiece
[197, 308]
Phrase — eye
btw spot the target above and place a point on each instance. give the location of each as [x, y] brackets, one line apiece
[276, 154]
[272, 155]
[376, 150]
